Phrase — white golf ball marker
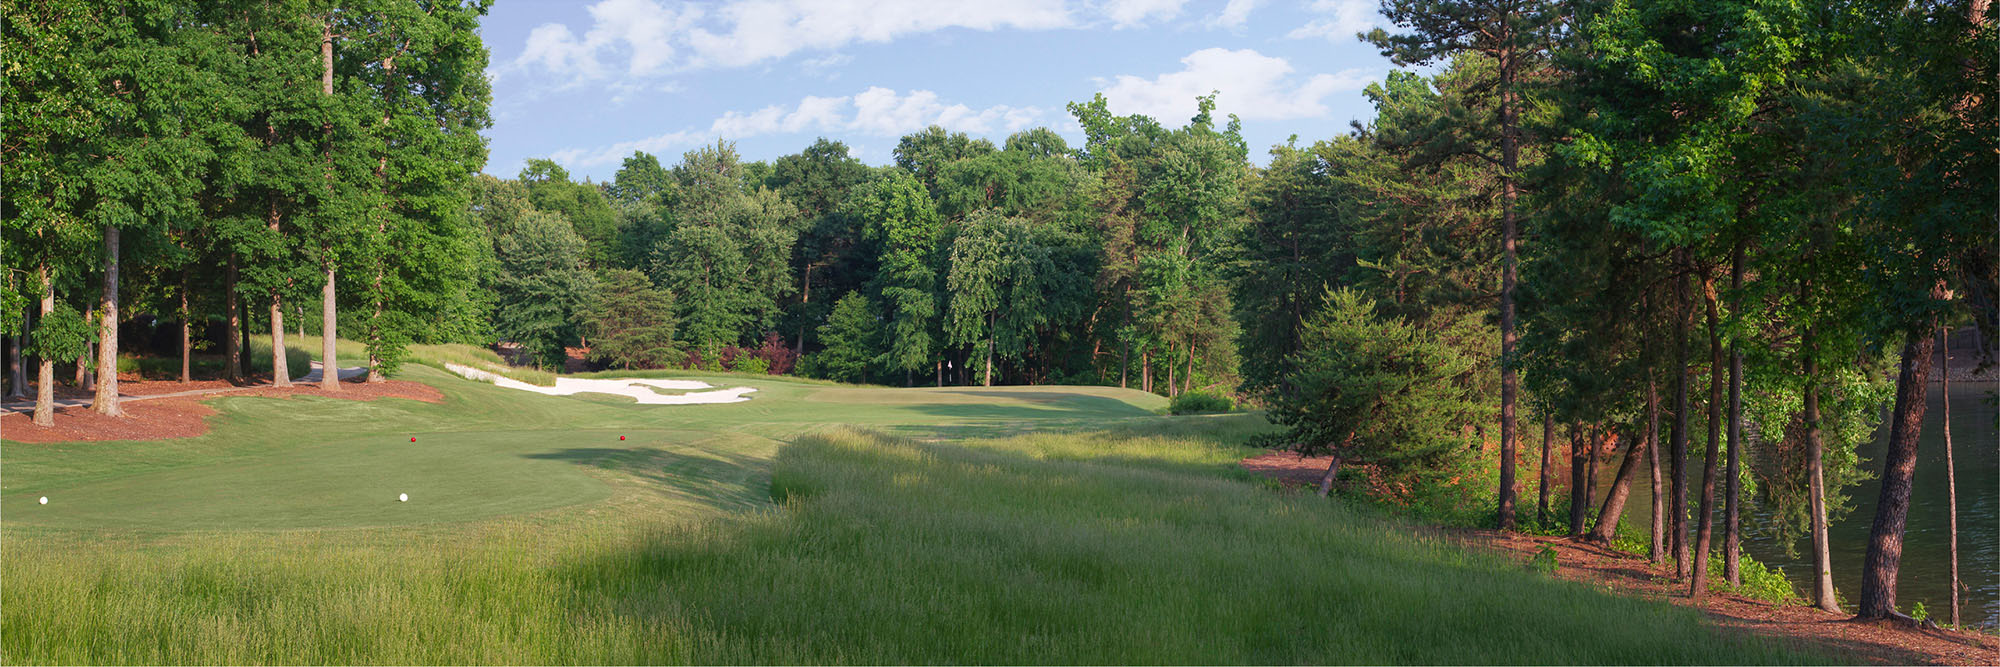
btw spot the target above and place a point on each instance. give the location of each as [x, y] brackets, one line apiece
[402, 497]
[45, 500]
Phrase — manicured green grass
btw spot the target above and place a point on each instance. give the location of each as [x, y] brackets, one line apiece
[1082, 529]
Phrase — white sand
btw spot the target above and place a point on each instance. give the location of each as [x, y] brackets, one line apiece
[640, 390]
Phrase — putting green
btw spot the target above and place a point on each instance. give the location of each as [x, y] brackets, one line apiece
[486, 452]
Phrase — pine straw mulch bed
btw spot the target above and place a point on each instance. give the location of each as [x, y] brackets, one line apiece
[181, 416]
[1615, 571]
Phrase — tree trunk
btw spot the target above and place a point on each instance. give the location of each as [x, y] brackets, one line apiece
[281, 376]
[1146, 370]
[988, 379]
[1187, 379]
[1597, 442]
[1677, 460]
[1621, 489]
[1899, 465]
[1124, 365]
[1950, 468]
[1579, 491]
[1332, 471]
[1823, 595]
[329, 363]
[187, 331]
[805, 297]
[1705, 522]
[232, 362]
[106, 401]
[1732, 534]
[1168, 361]
[1509, 156]
[45, 371]
[1657, 552]
[1547, 473]
[86, 379]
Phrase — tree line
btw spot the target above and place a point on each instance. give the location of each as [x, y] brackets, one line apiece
[1584, 215]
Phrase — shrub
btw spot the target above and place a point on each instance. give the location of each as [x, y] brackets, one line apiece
[1199, 401]
[1544, 560]
[754, 365]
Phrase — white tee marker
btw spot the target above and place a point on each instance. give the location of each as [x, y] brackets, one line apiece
[402, 497]
[45, 500]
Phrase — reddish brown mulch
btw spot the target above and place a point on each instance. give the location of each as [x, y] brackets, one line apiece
[182, 416]
[1598, 565]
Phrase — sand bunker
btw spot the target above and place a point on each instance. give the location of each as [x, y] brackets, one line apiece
[641, 390]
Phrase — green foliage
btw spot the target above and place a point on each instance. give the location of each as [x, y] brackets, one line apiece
[1919, 613]
[751, 365]
[62, 334]
[903, 225]
[542, 285]
[1544, 560]
[852, 336]
[1197, 402]
[630, 324]
[1376, 390]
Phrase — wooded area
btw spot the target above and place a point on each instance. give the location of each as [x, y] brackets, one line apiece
[1748, 220]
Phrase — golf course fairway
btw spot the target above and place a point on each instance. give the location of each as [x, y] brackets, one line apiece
[814, 523]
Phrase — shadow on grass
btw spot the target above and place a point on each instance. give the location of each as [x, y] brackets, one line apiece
[721, 479]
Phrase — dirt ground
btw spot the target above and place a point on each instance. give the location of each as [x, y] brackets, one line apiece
[179, 416]
[1599, 565]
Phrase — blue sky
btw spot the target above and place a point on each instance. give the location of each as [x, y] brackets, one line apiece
[587, 83]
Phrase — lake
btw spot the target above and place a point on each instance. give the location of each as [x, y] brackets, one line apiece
[1925, 573]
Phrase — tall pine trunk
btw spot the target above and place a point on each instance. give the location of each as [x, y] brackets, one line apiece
[1546, 474]
[106, 401]
[1579, 494]
[232, 355]
[1950, 468]
[1657, 553]
[1705, 522]
[1822, 552]
[1899, 466]
[1677, 460]
[1509, 162]
[187, 331]
[45, 371]
[1732, 540]
[1621, 490]
[329, 363]
[1599, 437]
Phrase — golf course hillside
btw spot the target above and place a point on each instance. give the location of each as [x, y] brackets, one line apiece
[813, 523]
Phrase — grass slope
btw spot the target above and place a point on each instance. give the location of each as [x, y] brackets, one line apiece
[1083, 529]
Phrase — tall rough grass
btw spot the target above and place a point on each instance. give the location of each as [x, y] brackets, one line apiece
[1131, 547]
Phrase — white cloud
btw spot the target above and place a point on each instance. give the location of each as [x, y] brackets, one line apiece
[1251, 85]
[1131, 13]
[652, 38]
[877, 111]
[1339, 20]
[1233, 15]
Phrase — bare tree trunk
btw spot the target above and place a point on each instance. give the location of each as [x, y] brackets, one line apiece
[1732, 546]
[232, 362]
[1509, 157]
[1597, 442]
[1146, 370]
[1705, 522]
[281, 376]
[1899, 466]
[187, 332]
[329, 364]
[1658, 552]
[106, 401]
[1547, 473]
[1823, 595]
[1678, 459]
[1621, 490]
[1187, 380]
[1579, 491]
[1124, 365]
[45, 372]
[1332, 470]
[1950, 468]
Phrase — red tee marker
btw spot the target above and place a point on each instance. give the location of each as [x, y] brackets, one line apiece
[413, 439]
[621, 437]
